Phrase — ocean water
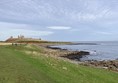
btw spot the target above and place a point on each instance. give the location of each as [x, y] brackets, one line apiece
[107, 50]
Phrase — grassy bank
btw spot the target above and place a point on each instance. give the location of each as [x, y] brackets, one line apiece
[26, 64]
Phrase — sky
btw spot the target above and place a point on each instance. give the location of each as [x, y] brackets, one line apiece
[60, 20]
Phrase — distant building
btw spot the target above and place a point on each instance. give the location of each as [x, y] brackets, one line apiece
[21, 36]
[11, 37]
[39, 38]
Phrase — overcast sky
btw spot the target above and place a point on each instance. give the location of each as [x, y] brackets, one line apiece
[64, 20]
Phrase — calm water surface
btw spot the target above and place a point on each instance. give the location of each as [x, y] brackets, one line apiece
[101, 51]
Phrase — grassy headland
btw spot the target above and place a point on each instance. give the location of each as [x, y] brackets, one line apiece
[28, 64]
[32, 40]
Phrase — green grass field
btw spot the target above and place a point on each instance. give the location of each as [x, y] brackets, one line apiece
[25, 64]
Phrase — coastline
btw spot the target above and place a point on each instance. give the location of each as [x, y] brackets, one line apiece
[35, 62]
[74, 57]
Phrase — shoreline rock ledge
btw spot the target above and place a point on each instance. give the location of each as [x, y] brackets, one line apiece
[76, 55]
[72, 55]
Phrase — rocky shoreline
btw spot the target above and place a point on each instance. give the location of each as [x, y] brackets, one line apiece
[74, 57]
[110, 64]
[70, 54]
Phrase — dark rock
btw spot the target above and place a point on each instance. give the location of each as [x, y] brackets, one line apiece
[76, 55]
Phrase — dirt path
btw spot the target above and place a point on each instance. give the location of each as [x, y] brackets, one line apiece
[5, 43]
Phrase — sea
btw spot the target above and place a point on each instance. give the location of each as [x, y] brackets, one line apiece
[99, 50]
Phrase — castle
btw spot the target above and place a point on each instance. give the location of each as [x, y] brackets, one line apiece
[19, 37]
[22, 37]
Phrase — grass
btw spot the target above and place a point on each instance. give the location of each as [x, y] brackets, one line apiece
[25, 64]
